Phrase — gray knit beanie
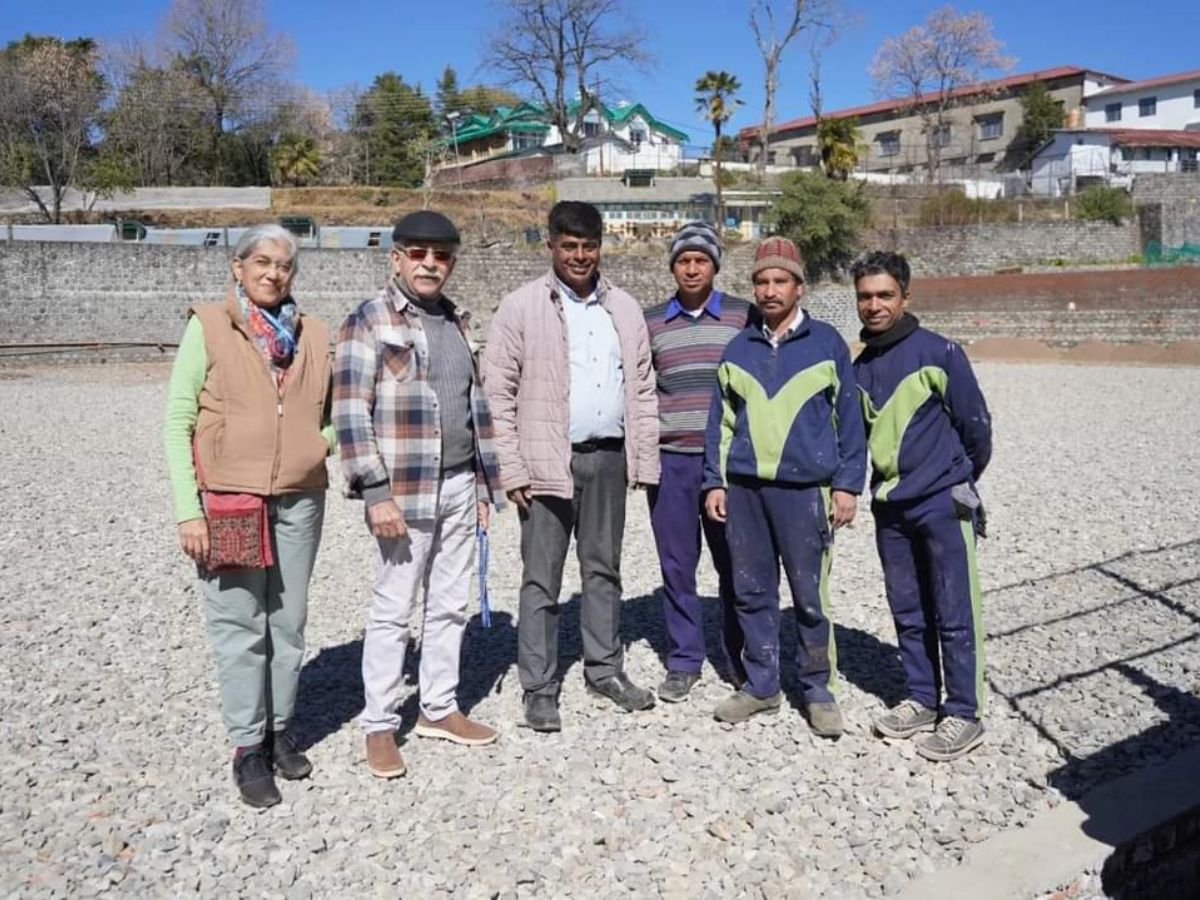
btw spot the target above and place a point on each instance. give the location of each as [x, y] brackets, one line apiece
[696, 236]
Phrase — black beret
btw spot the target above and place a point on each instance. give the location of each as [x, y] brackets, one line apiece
[426, 225]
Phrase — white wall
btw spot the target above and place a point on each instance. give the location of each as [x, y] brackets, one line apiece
[1175, 107]
[1069, 156]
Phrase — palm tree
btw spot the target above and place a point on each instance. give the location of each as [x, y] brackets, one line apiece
[295, 159]
[716, 102]
[840, 142]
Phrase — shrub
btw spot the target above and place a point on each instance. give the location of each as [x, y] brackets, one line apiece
[1103, 204]
[823, 216]
[953, 207]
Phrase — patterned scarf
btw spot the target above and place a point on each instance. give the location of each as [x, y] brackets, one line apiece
[274, 331]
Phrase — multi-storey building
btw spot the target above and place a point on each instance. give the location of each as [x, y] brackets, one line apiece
[977, 135]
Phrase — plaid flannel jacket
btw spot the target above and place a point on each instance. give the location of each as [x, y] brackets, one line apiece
[386, 413]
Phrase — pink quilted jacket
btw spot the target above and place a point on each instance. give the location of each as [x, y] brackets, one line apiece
[526, 376]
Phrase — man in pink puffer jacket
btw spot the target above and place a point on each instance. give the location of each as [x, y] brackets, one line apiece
[568, 376]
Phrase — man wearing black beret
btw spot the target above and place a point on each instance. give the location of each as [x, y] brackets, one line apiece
[415, 437]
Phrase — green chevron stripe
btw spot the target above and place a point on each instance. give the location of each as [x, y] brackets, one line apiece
[770, 419]
[887, 424]
[968, 533]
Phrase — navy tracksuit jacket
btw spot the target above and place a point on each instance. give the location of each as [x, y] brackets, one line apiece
[928, 430]
[784, 430]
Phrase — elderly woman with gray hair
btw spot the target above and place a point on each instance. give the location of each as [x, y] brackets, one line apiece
[246, 435]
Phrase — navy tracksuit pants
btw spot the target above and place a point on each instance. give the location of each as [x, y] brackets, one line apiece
[677, 518]
[929, 572]
[768, 521]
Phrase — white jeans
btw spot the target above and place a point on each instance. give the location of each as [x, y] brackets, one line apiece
[436, 555]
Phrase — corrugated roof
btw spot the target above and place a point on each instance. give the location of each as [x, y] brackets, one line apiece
[882, 106]
[1152, 137]
[1159, 81]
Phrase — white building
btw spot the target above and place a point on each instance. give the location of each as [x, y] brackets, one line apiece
[1166, 103]
[616, 138]
[1076, 158]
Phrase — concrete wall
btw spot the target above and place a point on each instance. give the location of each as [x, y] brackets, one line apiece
[973, 249]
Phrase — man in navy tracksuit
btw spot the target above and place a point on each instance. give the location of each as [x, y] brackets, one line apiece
[785, 457]
[930, 437]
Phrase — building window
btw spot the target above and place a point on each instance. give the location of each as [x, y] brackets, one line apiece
[637, 136]
[991, 126]
[1196, 99]
[1127, 153]
[1112, 112]
[889, 143]
[941, 135]
[591, 129]
[771, 158]
[1147, 106]
[526, 141]
[804, 156]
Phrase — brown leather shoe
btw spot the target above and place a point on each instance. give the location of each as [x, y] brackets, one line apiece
[383, 756]
[456, 727]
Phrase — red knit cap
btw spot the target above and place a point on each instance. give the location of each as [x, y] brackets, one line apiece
[778, 253]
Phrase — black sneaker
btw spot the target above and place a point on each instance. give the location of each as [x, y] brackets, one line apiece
[286, 758]
[623, 692]
[252, 775]
[676, 686]
[541, 712]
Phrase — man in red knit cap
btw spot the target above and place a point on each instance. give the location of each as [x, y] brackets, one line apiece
[785, 456]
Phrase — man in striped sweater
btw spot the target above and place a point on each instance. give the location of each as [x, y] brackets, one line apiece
[688, 334]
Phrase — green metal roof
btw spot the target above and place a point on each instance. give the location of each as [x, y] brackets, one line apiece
[530, 118]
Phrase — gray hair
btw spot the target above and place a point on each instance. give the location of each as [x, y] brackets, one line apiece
[256, 234]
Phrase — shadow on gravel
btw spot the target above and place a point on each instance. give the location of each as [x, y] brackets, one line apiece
[331, 689]
[1078, 774]
[1163, 860]
[869, 664]
[330, 693]
[642, 620]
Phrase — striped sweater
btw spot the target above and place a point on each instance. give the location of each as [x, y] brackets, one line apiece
[686, 351]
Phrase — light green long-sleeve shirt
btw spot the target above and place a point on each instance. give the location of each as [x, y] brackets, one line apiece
[183, 407]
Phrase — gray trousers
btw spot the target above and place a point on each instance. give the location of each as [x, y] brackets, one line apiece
[256, 622]
[596, 516]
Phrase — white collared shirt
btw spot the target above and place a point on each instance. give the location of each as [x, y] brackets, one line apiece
[775, 341]
[597, 398]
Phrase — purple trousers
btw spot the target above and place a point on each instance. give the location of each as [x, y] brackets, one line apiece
[677, 517]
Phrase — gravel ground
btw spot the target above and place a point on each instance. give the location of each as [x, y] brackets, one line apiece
[117, 770]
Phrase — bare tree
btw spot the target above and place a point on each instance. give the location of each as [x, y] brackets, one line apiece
[227, 47]
[48, 108]
[938, 66]
[563, 51]
[157, 121]
[795, 17]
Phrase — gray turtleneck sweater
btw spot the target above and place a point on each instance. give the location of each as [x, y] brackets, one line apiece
[450, 373]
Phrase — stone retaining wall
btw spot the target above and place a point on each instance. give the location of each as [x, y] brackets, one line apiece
[972, 249]
[58, 292]
[54, 293]
[1169, 206]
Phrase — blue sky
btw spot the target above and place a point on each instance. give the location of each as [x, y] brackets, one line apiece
[339, 43]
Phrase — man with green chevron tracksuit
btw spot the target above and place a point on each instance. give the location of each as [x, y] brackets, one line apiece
[930, 437]
[784, 460]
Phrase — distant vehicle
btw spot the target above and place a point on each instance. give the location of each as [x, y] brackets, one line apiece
[300, 226]
[128, 229]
